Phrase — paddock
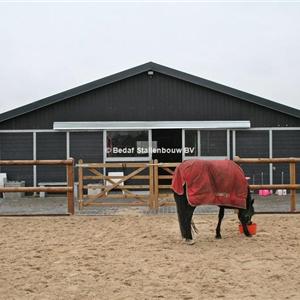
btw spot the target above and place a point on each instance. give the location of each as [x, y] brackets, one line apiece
[133, 251]
[133, 256]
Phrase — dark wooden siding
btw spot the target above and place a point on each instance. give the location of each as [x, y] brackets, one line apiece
[51, 146]
[254, 144]
[87, 146]
[141, 98]
[15, 146]
[286, 143]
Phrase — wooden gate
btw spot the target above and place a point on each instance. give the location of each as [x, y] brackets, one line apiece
[163, 194]
[130, 184]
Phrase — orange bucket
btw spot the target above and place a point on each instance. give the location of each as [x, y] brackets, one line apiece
[251, 228]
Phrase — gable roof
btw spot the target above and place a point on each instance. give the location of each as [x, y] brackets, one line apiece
[144, 68]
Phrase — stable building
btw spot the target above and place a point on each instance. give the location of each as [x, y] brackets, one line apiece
[149, 112]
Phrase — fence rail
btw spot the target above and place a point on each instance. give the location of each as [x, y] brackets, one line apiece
[292, 169]
[266, 160]
[35, 162]
[69, 189]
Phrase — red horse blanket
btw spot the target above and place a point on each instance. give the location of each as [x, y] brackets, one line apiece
[211, 182]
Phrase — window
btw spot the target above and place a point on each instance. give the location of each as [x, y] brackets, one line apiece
[191, 143]
[120, 144]
[213, 143]
[207, 144]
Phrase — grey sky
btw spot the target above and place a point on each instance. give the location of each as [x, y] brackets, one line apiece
[48, 48]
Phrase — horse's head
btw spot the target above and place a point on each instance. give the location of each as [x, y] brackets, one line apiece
[245, 215]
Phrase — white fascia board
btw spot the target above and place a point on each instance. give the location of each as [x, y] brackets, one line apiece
[84, 126]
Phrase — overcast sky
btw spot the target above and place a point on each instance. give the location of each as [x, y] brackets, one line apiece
[47, 48]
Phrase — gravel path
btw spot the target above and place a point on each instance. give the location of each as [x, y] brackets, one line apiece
[57, 205]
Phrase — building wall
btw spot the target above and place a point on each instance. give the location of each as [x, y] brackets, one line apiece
[285, 144]
[141, 98]
[15, 146]
[87, 146]
[49, 145]
[253, 144]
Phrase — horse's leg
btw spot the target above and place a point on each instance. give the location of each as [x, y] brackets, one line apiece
[189, 216]
[246, 231]
[179, 200]
[218, 229]
[185, 214]
[244, 224]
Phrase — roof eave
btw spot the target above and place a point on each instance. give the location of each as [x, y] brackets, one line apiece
[74, 92]
[228, 90]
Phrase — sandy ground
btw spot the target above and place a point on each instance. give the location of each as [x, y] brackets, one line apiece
[132, 256]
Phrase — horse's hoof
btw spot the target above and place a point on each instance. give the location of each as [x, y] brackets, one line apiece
[249, 235]
[218, 237]
[189, 242]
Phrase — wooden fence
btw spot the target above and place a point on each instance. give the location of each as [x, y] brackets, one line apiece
[155, 189]
[69, 189]
[134, 184]
[292, 168]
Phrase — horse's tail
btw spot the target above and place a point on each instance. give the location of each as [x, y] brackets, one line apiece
[195, 229]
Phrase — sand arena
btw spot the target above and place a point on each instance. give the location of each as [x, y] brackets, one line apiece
[134, 256]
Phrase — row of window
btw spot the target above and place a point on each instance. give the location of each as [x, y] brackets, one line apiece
[140, 144]
[207, 142]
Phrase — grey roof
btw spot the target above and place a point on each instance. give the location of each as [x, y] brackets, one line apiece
[144, 68]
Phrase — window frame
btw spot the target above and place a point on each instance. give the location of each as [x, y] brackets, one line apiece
[199, 156]
[126, 158]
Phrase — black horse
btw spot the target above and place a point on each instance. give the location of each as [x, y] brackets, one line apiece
[204, 179]
[185, 213]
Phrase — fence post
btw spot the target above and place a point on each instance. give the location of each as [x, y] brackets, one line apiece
[151, 183]
[80, 184]
[156, 182]
[293, 181]
[70, 194]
